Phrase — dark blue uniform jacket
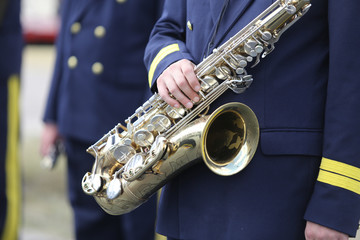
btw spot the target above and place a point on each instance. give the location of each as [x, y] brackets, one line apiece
[306, 97]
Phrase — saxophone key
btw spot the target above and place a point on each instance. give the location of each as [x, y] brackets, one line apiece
[123, 152]
[290, 9]
[249, 47]
[114, 189]
[259, 48]
[266, 35]
[175, 113]
[135, 164]
[249, 58]
[222, 72]
[112, 140]
[160, 123]
[242, 61]
[127, 141]
[240, 71]
[143, 138]
[231, 60]
[208, 83]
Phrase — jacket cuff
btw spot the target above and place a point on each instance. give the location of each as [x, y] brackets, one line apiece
[165, 57]
[335, 201]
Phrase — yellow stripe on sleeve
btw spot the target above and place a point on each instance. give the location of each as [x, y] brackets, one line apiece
[12, 167]
[340, 168]
[160, 56]
[339, 181]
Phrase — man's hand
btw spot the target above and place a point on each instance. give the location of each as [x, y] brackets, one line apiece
[49, 136]
[179, 79]
[315, 231]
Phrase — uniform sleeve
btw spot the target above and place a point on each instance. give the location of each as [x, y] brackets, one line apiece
[50, 115]
[167, 41]
[335, 202]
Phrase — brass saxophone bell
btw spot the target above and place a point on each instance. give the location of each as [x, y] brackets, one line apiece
[230, 138]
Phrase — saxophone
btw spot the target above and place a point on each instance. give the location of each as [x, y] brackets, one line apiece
[132, 162]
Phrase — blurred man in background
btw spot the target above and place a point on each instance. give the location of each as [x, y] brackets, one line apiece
[10, 60]
[97, 83]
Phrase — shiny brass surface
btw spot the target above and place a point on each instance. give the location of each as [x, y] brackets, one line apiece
[230, 139]
[132, 162]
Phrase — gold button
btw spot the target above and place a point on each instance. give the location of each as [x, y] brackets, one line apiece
[99, 31]
[72, 62]
[189, 25]
[75, 28]
[121, 1]
[97, 68]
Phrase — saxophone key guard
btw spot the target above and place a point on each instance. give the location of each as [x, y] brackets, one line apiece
[91, 184]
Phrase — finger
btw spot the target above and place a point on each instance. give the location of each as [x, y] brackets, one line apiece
[186, 93]
[164, 93]
[177, 92]
[188, 71]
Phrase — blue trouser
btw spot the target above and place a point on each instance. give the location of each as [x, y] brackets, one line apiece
[91, 222]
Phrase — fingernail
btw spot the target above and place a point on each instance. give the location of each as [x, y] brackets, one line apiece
[196, 99]
[176, 105]
[197, 88]
[189, 105]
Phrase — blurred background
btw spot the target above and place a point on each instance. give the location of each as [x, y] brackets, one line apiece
[46, 211]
